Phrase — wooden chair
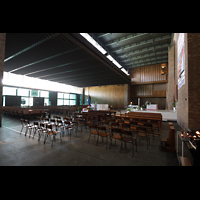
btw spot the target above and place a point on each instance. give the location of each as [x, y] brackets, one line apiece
[25, 124]
[93, 131]
[141, 133]
[126, 126]
[68, 126]
[51, 133]
[168, 144]
[115, 134]
[106, 124]
[102, 133]
[133, 126]
[149, 130]
[128, 138]
[36, 128]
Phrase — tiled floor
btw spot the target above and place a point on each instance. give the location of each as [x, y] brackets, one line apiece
[18, 150]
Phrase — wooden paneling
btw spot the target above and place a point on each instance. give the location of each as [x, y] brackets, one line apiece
[148, 90]
[109, 94]
[148, 74]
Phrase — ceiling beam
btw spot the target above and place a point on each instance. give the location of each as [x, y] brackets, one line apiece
[148, 59]
[148, 63]
[122, 39]
[103, 34]
[143, 50]
[89, 48]
[32, 46]
[146, 55]
[45, 59]
[150, 41]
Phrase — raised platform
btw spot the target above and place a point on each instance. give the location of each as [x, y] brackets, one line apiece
[167, 115]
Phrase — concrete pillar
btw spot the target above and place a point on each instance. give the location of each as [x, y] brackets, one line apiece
[170, 86]
[2, 55]
[83, 97]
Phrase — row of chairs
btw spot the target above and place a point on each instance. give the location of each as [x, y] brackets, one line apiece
[124, 134]
[46, 129]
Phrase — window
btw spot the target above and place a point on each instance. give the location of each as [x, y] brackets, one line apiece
[59, 102]
[60, 95]
[9, 90]
[66, 96]
[72, 96]
[72, 102]
[23, 92]
[66, 102]
[44, 94]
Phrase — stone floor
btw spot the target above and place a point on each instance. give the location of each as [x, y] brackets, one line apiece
[18, 150]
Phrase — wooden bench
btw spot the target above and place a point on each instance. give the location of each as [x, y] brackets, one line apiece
[168, 144]
[184, 161]
[154, 118]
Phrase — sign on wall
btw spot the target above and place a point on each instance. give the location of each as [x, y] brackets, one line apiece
[34, 93]
[181, 60]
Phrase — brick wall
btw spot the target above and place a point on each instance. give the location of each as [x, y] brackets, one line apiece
[182, 105]
[194, 80]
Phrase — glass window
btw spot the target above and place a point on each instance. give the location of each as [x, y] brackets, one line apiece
[66, 96]
[31, 101]
[60, 95]
[24, 101]
[72, 96]
[23, 92]
[44, 94]
[46, 102]
[59, 102]
[72, 102]
[9, 91]
[66, 102]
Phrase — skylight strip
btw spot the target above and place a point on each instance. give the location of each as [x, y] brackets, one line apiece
[102, 50]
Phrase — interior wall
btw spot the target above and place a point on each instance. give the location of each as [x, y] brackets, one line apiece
[193, 80]
[148, 84]
[108, 94]
[182, 104]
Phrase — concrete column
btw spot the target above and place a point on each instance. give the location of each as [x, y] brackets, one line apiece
[83, 97]
[2, 55]
[170, 89]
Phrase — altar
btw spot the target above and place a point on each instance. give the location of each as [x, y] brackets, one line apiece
[100, 106]
[153, 107]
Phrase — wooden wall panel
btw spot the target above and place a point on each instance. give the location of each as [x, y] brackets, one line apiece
[148, 90]
[146, 74]
[109, 94]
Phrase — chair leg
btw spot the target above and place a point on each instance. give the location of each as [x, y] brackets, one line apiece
[97, 140]
[89, 138]
[21, 130]
[132, 149]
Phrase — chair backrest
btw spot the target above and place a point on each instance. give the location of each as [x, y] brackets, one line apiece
[59, 121]
[149, 125]
[125, 125]
[132, 123]
[49, 126]
[116, 130]
[114, 124]
[103, 128]
[93, 126]
[141, 129]
[127, 132]
[35, 123]
[52, 120]
[67, 123]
